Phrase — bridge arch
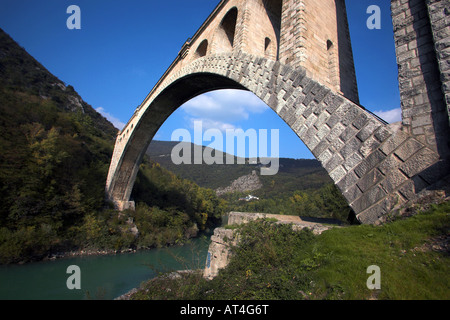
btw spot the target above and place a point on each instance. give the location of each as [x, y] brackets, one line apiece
[355, 147]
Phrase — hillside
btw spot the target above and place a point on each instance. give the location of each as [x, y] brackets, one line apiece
[55, 151]
[55, 148]
[293, 174]
[301, 186]
[21, 73]
[54, 155]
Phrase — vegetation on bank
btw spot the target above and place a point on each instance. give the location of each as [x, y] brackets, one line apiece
[323, 202]
[273, 262]
[52, 167]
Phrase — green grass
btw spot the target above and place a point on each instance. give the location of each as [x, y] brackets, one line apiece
[273, 262]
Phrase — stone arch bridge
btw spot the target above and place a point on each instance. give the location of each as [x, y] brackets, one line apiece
[296, 56]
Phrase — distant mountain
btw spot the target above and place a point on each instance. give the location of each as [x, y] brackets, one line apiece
[301, 186]
[293, 174]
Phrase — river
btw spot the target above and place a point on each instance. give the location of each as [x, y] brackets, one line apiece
[102, 277]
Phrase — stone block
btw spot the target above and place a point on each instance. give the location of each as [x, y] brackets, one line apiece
[350, 148]
[324, 157]
[337, 174]
[336, 160]
[407, 149]
[322, 132]
[390, 163]
[309, 97]
[369, 146]
[419, 162]
[360, 120]
[352, 193]
[351, 115]
[394, 142]
[368, 130]
[373, 214]
[321, 147]
[352, 161]
[368, 198]
[348, 133]
[349, 180]
[382, 133]
[322, 118]
[407, 190]
[321, 94]
[393, 180]
[369, 179]
[369, 163]
[333, 102]
[336, 145]
[334, 120]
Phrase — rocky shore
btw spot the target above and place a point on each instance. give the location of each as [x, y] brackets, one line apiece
[172, 275]
[87, 252]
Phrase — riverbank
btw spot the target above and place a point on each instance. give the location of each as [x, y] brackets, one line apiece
[273, 262]
[179, 274]
[86, 252]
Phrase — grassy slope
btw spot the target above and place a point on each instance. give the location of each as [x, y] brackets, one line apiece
[276, 263]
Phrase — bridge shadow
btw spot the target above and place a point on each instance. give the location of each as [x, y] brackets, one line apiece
[323, 220]
[151, 193]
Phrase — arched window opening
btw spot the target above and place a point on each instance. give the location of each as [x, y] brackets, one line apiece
[329, 44]
[202, 49]
[266, 44]
[226, 32]
[274, 10]
[333, 77]
[268, 48]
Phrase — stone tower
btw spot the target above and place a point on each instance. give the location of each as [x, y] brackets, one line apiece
[323, 49]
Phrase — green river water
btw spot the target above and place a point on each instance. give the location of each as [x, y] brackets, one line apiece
[102, 277]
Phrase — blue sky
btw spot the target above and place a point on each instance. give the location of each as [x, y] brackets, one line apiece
[123, 48]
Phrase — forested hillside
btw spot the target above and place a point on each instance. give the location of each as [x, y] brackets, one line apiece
[55, 151]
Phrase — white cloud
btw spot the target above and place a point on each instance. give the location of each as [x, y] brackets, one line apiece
[115, 121]
[390, 116]
[211, 124]
[220, 109]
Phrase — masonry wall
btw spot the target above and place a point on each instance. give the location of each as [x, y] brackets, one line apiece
[424, 110]
[439, 14]
[315, 35]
